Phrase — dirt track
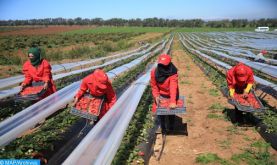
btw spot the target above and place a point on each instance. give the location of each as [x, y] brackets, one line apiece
[208, 130]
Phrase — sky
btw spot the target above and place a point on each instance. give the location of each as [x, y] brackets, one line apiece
[128, 9]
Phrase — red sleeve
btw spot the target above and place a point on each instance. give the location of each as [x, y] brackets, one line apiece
[230, 79]
[111, 96]
[28, 78]
[154, 86]
[82, 90]
[47, 76]
[173, 88]
[251, 77]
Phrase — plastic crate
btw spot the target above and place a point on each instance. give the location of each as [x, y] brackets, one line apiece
[88, 107]
[163, 107]
[31, 92]
[243, 108]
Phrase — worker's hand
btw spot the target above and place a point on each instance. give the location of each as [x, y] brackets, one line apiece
[245, 95]
[231, 96]
[22, 86]
[157, 100]
[75, 102]
[172, 105]
[45, 86]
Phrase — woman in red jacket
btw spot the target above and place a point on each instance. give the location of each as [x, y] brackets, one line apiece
[37, 69]
[164, 83]
[98, 85]
[240, 80]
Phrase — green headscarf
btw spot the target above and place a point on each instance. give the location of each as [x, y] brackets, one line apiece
[36, 60]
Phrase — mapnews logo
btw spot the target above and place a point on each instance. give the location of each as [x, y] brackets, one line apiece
[19, 162]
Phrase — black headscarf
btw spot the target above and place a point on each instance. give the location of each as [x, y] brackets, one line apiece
[164, 71]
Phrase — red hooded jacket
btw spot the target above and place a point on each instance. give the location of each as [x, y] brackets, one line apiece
[89, 83]
[40, 73]
[232, 80]
[168, 88]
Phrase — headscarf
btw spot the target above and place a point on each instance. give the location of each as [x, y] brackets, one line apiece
[36, 60]
[164, 71]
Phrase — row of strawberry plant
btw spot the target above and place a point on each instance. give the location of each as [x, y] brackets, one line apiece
[269, 117]
[103, 44]
[44, 139]
[136, 133]
[231, 62]
[10, 107]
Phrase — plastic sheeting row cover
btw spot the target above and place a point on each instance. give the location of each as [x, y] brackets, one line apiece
[14, 126]
[226, 66]
[234, 50]
[265, 68]
[166, 50]
[234, 45]
[6, 82]
[15, 90]
[102, 142]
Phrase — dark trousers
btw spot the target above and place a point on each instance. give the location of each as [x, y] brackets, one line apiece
[162, 121]
[239, 116]
[170, 118]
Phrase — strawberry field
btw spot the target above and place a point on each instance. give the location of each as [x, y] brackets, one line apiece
[46, 129]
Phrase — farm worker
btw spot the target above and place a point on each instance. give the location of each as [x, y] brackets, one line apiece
[260, 57]
[98, 85]
[240, 79]
[37, 69]
[164, 83]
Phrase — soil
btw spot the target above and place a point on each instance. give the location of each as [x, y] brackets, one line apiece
[43, 30]
[204, 134]
[271, 101]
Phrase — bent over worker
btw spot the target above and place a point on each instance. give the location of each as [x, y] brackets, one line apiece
[37, 69]
[164, 83]
[260, 57]
[98, 85]
[240, 80]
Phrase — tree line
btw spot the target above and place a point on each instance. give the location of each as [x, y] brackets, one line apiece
[148, 22]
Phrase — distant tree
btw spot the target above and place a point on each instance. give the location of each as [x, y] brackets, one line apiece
[150, 22]
[135, 22]
[97, 21]
[78, 21]
[70, 22]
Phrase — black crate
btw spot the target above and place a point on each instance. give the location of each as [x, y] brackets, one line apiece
[168, 111]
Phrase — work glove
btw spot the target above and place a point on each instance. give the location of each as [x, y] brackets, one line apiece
[248, 88]
[231, 92]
